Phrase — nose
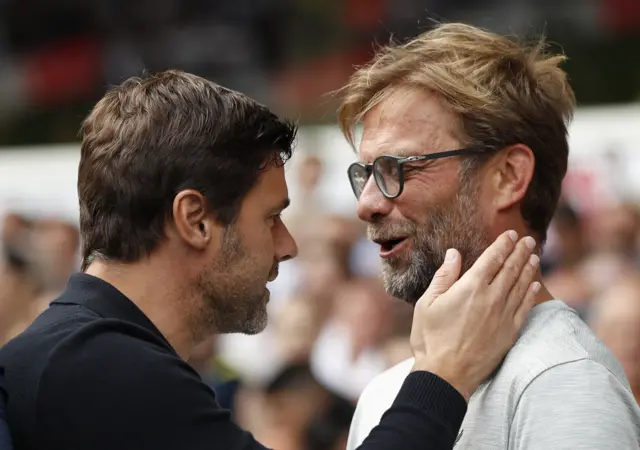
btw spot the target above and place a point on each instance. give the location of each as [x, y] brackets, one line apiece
[285, 244]
[372, 203]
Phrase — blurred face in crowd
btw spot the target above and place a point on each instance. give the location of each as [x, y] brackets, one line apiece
[569, 239]
[616, 229]
[240, 259]
[55, 246]
[435, 210]
[296, 328]
[47, 246]
[616, 320]
[309, 172]
[365, 309]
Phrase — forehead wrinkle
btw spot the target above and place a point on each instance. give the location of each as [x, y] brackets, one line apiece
[405, 128]
[388, 135]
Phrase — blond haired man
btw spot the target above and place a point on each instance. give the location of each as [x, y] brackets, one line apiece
[465, 136]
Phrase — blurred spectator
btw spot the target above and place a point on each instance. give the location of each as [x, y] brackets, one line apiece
[18, 289]
[349, 353]
[571, 240]
[616, 320]
[615, 229]
[295, 328]
[290, 401]
[39, 256]
[564, 277]
[54, 247]
[585, 257]
[612, 238]
[306, 203]
[329, 427]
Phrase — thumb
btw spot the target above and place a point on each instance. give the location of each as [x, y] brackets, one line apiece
[446, 275]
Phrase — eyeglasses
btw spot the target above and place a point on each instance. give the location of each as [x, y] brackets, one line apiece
[388, 171]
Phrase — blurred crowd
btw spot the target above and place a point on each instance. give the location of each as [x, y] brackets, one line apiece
[58, 55]
[332, 326]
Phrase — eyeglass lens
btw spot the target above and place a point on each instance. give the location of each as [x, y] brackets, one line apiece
[386, 172]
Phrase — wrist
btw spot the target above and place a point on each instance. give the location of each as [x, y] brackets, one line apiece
[453, 377]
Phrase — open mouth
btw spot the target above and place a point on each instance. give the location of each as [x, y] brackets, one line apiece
[387, 245]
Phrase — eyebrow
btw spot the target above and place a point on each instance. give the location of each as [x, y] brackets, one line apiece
[281, 207]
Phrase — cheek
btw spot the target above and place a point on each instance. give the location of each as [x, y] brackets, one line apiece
[264, 241]
[420, 201]
[414, 204]
[432, 186]
[257, 240]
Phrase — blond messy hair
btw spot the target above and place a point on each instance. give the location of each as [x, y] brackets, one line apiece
[503, 92]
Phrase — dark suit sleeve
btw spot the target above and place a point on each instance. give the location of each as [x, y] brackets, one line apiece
[108, 389]
[118, 388]
[5, 437]
[426, 415]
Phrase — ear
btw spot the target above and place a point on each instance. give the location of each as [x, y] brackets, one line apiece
[192, 219]
[513, 172]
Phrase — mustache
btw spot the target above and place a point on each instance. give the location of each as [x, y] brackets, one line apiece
[388, 231]
[273, 273]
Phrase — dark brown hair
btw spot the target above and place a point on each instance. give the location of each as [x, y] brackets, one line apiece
[152, 137]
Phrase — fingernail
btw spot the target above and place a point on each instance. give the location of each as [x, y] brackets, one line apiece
[513, 235]
[450, 256]
[534, 260]
[530, 242]
[535, 287]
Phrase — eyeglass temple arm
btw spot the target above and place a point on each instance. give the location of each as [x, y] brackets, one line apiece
[462, 151]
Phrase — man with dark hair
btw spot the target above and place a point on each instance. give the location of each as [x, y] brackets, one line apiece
[181, 185]
[176, 145]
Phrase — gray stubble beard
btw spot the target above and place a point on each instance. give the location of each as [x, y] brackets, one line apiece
[459, 224]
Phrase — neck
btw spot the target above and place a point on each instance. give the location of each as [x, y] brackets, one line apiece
[151, 287]
[515, 222]
[543, 295]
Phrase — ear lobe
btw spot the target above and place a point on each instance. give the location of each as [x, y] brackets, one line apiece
[192, 222]
[514, 174]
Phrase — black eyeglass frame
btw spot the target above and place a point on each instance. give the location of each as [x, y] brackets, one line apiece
[400, 162]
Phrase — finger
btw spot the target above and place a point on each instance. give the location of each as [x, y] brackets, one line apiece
[522, 285]
[445, 276]
[514, 265]
[492, 259]
[522, 312]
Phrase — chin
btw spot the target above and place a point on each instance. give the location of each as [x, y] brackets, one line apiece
[258, 318]
[255, 326]
[400, 286]
[407, 279]
[397, 266]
